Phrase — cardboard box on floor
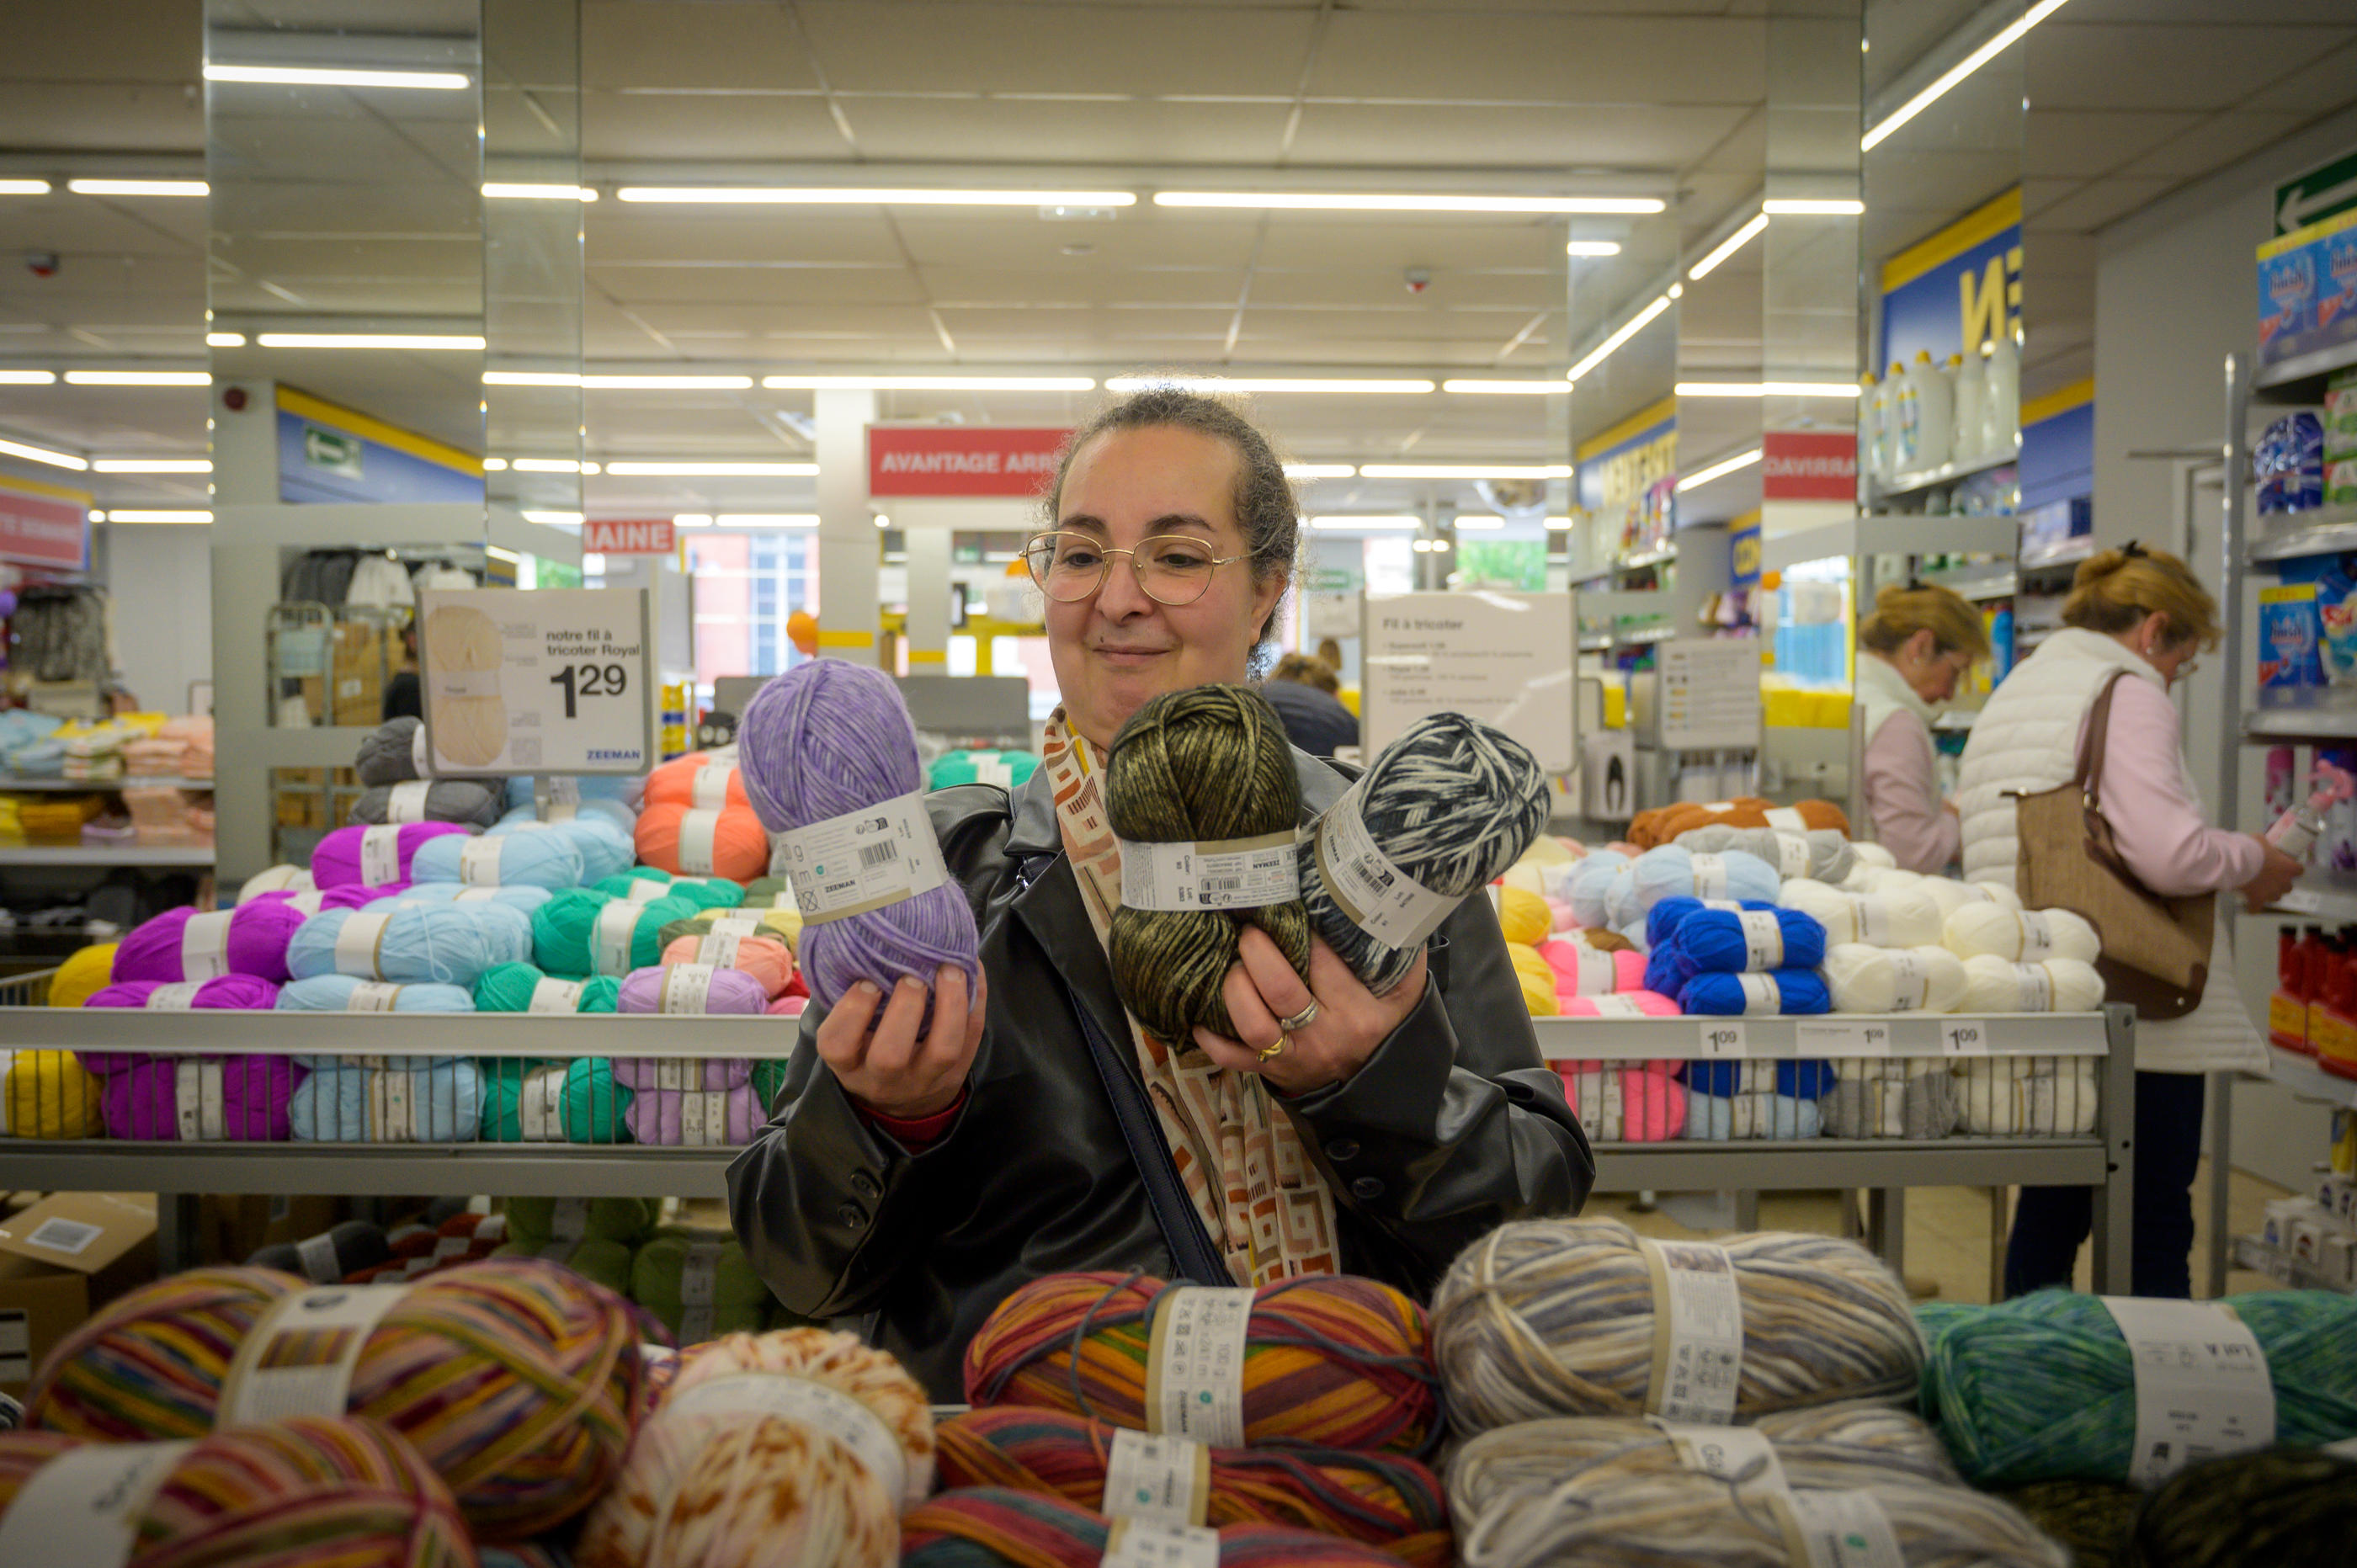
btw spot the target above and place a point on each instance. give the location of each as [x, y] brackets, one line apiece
[60, 1260]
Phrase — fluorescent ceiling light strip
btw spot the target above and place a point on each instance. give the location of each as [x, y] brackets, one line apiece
[1728, 247]
[41, 455]
[1507, 388]
[496, 553]
[1798, 207]
[27, 377]
[1465, 471]
[1479, 521]
[550, 466]
[554, 519]
[692, 519]
[1766, 388]
[23, 188]
[1629, 329]
[765, 519]
[224, 340]
[1264, 384]
[152, 466]
[1558, 524]
[139, 377]
[930, 384]
[369, 341]
[497, 191]
[1592, 248]
[1344, 521]
[1319, 470]
[138, 188]
[1377, 201]
[821, 195]
[531, 378]
[666, 383]
[717, 470]
[336, 76]
[1719, 470]
[154, 514]
[1956, 73]
[495, 465]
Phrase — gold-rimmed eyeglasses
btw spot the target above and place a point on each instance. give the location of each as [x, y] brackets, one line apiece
[1171, 568]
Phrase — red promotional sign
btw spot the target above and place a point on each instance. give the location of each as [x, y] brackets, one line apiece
[1808, 466]
[960, 460]
[44, 525]
[611, 536]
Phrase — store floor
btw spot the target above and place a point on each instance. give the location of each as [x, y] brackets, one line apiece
[1948, 1231]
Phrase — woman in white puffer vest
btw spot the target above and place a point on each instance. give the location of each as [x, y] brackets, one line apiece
[1911, 651]
[2140, 614]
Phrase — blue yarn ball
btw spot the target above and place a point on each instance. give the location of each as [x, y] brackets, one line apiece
[603, 843]
[531, 859]
[1590, 880]
[1662, 920]
[1796, 992]
[1805, 1079]
[451, 945]
[1714, 941]
[1669, 871]
[333, 994]
[344, 1104]
[1711, 1118]
[522, 896]
[1661, 976]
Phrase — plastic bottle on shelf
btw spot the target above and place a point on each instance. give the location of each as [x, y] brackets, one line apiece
[1869, 429]
[2001, 644]
[2296, 831]
[1972, 391]
[2001, 396]
[1935, 418]
[1906, 422]
[2281, 794]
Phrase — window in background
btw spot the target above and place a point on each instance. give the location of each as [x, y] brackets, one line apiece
[747, 585]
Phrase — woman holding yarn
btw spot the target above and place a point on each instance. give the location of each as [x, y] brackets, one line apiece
[2134, 623]
[1912, 651]
[930, 1152]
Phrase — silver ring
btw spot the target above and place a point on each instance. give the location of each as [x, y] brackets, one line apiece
[1300, 1020]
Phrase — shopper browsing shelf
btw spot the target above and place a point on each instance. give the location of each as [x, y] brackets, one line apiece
[1911, 651]
[921, 1174]
[2141, 615]
[1302, 690]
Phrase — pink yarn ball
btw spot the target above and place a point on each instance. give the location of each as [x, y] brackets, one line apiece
[1582, 970]
[232, 991]
[1651, 1004]
[789, 1006]
[768, 961]
[255, 943]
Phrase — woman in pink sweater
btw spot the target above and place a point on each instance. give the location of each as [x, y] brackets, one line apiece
[1912, 652]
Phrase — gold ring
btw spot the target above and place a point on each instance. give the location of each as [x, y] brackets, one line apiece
[1277, 1049]
[1300, 1020]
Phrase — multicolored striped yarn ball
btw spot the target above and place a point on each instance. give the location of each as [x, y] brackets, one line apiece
[1385, 1500]
[991, 1526]
[2041, 1387]
[1546, 1317]
[2284, 1506]
[1329, 1360]
[517, 1379]
[306, 1492]
[725, 1474]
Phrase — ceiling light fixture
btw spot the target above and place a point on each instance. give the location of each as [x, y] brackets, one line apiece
[666, 383]
[715, 471]
[1728, 247]
[1507, 388]
[139, 377]
[1344, 521]
[1718, 470]
[42, 455]
[1592, 248]
[497, 191]
[531, 378]
[691, 519]
[550, 466]
[224, 340]
[1465, 471]
[554, 519]
[1628, 329]
[1478, 521]
[827, 196]
[930, 384]
[1797, 206]
[152, 466]
[593, 563]
[425, 341]
[27, 377]
[765, 519]
[1378, 201]
[495, 465]
[1956, 73]
[25, 187]
[1319, 470]
[154, 514]
[333, 76]
[138, 188]
[1766, 388]
[1123, 384]
[1558, 524]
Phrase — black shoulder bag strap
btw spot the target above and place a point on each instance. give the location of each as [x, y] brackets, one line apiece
[1192, 1255]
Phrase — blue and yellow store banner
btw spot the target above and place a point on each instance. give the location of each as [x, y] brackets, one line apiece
[329, 453]
[1955, 291]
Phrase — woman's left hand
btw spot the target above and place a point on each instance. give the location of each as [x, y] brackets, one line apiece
[1350, 1021]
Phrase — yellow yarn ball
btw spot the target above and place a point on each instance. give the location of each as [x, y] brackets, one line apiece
[82, 976]
[50, 1095]
[1538, 980]
[1523, 916]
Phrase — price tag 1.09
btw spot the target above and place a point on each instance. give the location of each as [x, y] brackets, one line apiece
[1963, 1038]
[1817, 1037]
[1723, 1038]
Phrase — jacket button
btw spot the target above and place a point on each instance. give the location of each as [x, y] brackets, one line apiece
[1367, 1187]
[1341, 1149]
[864, 1184]
[853, 1218]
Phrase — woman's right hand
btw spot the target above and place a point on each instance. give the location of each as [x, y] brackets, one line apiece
[2276, 873]
[891, 1071]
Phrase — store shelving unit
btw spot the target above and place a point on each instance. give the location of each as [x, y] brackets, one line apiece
[1945, 473]
[10, 781]
[1613, 608]
[2251, 1253]
[34, 854]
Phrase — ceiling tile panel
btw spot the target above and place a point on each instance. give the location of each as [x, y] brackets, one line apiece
[100, 117]
[724, 126]
[642, 288]
[2079, 143]
[1540, 59]
[630, 43]
[1652, 138]
[1024, 130]
[1128, 49]
[2077, 66]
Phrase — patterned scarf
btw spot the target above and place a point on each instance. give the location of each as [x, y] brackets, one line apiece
[1261, 1197]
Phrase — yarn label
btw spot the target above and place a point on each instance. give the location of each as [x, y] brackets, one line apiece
[1218, 873]
[372, 996]
[381, 856]
[696, 834]
[406, 802]
[699, 1272]
[391, 1118]
[196, 1099]
[2034, 989]
[474, 895]
[718, 949]
[321, 1264]
[868, 859]
[685, 986]
[1844, 1530]
[1764, 939]
[550, 995]
[540, 1106]
[1710, 876]
[1142, 1543]
[2036, 935]
[204, 946]
[1786, 820]
[703, 1118]
[709, 791]
[2201, 1384]
[358, 941]
[826, 1411]
[176, 997]
[645, 890]
[1697, 1331]
[736, 924]
[1792, 856]
[610, 938]
[1761, 995]
[569, 1221]
[298, 1359]
[1195, 1364]
[1720, 1038]
[1368, 885]
[1871, 917]
[478, 862]
[1159, 1480]
[1618, 1008]
[84, 1506]
[1910, 980]
[1741, 1455]
[1595, 976]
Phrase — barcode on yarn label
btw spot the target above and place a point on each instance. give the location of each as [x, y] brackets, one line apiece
[2036, 936]
[725, 1401]
[1373, 892]
[298, 1359]
[686, 986]
[196, 1099]
[1764, 939]
[2201, 1384]
[1741, 1455]
[868, 859]
[1142, 1543]
[1845, 1530]
[83, 1507]
[1723, 1038]
[1792, 856]
[1195, 1364]
[58, 1234]
[1699, 1362]
[1819, 1037]
[703, 1118]
[1964, 1037]
[1162, 1480]
[1911, 981]
[1224, 874]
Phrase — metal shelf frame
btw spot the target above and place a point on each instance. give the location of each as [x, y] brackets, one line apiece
[2299, 381]
[31, 854]
[10, 782]
[1924, 479]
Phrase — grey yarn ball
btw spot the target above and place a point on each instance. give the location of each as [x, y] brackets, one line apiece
[385, 757]
[477, 802]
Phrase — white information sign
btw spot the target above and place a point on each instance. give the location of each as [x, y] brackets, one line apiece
[1709, 693]
[544, 681]
[1505, 658]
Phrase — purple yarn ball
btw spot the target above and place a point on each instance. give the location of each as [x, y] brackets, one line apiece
[254, 1095]
[346, 896]
[825, 739]
[256, 943]
[336, 861]
[233, 992]
[732, 993]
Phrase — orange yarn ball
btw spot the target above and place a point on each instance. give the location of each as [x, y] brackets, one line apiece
[677, 783]
[770, 962]
[688, 841]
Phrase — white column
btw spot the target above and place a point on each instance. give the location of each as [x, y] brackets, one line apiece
[929, 600]
[849, 616]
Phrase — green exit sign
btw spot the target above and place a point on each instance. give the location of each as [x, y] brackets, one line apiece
[2319, 193]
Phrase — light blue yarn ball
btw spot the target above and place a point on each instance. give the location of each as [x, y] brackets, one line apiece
[451, 944]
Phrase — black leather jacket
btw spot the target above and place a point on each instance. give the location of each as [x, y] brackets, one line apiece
[1453, 1126]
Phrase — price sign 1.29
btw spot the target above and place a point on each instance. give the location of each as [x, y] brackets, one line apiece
[539, 681]
[580, 680]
